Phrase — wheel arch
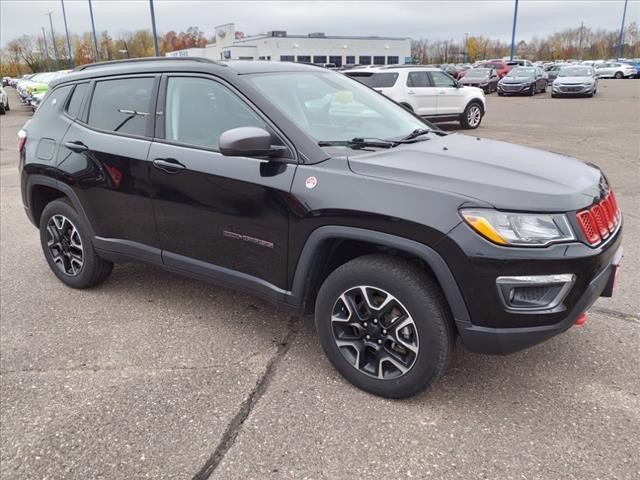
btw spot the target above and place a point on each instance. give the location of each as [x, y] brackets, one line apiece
[330, 246]
[41, 190]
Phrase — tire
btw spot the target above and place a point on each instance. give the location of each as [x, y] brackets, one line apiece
[500, 94]
[619, 75]
[472, 116]
[2, 109]
[544, 89]
[553, 95]
[403, 288]
[532, 90]
[64, 238]
[7, 107]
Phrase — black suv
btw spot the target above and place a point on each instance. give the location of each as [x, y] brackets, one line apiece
[308, 188]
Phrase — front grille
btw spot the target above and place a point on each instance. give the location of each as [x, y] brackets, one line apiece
[570, 89]
[600, 220]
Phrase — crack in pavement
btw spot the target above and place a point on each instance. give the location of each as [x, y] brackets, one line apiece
[235, 425]
[627, 317]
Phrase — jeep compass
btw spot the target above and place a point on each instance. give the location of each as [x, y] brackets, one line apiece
[310, 189]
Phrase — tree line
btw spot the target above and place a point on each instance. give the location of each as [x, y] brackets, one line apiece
[596, 44]
[34, 53]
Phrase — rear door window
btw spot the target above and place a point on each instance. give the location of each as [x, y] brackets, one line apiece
[383, 80]
[122, 105]
[418, 80]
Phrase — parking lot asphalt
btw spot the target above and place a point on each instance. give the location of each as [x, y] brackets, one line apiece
[155, 376]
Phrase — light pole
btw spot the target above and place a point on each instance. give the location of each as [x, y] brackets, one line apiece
[153, 27]
[46, 49]
[93, 27]
[466, 47]
[66, 31]
[53, 38]
[621, 37]
[513, 30]
[580, 43]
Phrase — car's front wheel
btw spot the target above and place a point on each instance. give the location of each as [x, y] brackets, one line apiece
[385, 325]
[619, 75]
[472, 116]
[67, 246]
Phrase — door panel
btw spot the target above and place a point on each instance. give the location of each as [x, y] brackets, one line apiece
[112, 180]
[449, 96]
[231, 212]
[211, 209]
[421, 94]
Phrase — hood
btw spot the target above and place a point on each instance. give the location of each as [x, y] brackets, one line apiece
[574, 80]
[517, 79]
[504, 175]
[474, 80]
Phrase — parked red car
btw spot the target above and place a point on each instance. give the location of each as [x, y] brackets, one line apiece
[500, 66]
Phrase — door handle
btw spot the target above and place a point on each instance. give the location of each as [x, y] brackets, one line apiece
[168, 165]
[442, 92]
[411, 92]
[77, 147]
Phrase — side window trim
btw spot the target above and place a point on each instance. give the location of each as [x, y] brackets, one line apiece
[84, 118]
[160, 114]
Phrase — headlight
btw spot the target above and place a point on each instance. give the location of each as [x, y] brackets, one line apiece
[519, 229]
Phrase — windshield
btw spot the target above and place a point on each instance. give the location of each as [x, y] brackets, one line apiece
[331, 107]
[522, 72]
[382, 80]
[477, 73]
[575, 72]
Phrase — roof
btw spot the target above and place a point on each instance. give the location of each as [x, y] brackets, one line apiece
[180, 64]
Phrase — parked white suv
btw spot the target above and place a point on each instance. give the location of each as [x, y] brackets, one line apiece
[430, 93]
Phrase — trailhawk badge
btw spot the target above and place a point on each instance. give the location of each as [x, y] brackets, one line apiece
[311, 182]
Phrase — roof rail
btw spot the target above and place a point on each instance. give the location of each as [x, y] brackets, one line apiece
[144, 59]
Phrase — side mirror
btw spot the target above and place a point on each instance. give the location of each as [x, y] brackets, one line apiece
[248, 142]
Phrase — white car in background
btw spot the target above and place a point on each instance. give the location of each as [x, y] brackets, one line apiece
[615, 70]
[4, 101]
[430, 93]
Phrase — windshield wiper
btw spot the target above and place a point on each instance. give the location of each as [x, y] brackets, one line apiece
[359, 143]
[422, 131]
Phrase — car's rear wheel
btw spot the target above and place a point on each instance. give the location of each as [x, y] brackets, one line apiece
[66, 244]
[385, 325]
[2, 109]
[472, 116]
[619, 75]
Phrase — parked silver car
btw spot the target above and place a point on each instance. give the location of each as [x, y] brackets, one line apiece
[575, 80]
[615, 70]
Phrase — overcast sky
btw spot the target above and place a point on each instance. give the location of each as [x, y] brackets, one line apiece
[432, 19]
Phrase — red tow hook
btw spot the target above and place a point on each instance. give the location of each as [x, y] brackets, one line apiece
[582, 319]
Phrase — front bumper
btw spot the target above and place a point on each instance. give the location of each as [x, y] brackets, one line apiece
[572, 89]
[491, 326]
[503, 341]
[508, 88]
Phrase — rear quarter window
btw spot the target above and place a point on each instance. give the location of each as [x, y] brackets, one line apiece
[53, 104]
[122, 105]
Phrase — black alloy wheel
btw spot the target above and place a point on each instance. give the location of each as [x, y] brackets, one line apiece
[375, 332]
[65, 245]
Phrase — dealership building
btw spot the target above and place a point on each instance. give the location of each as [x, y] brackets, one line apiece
[316, 47]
